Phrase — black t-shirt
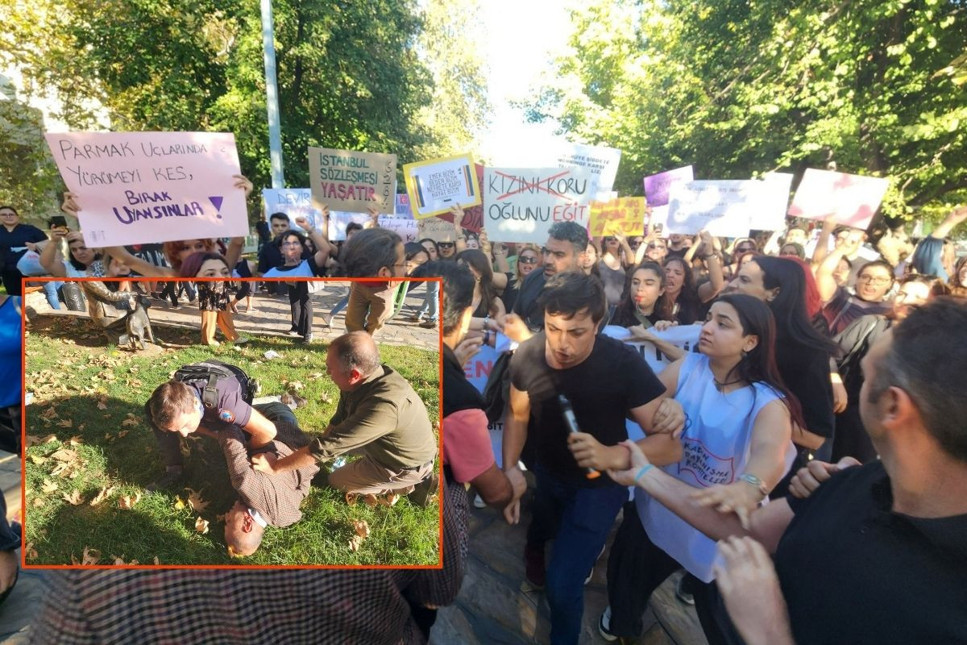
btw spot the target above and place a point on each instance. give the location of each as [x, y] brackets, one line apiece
[854, 571]
[526, 304]
[602, 389]
[805, 371]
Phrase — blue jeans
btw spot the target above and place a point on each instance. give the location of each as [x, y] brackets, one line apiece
[50, 290]
[584, 517]
[431, 303]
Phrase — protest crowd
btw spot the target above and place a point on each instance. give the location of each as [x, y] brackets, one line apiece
[777, 412]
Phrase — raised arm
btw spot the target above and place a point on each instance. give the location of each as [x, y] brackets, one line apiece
[51, 258]
[713, 261]
[460, 240]
[137, 264]
[824, 273]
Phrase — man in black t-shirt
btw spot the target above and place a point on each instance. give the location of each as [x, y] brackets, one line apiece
[604, 381]
[878, 553]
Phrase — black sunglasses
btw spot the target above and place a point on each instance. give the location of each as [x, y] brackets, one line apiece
[446, 245]
[526, 259]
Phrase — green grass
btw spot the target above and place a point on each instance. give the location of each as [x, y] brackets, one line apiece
[73, 374]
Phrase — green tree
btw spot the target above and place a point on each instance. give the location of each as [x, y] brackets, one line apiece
[739, 88]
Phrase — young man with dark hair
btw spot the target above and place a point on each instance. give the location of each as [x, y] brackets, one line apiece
[372, 253]
[876, 553]
[569, 366]
[270, 255]
[565, 250]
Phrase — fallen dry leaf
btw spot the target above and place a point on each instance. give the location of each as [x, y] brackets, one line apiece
[316, 375]
[74, 497]
[118, 560]
[129, 423]
[31, 552]
[179, 504]
[388, 500]
[101, 405]
[201, 525]
[65, 423]
[102, 495]
[49, 413]
[37, 459]
[64, 455]
[91, 556]
[370, 500]
[156, 560]
[122, 433]
[196, 502]
[75, 440]
[127, 502]
[49, 486]
[354, 543]
[361, 527]
[36, 441]
[38, 502]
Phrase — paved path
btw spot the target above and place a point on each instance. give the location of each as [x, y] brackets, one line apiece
[271, 316]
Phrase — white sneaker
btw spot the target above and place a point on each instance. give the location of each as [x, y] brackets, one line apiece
[241, 340]
[604, 626]
[478, 501]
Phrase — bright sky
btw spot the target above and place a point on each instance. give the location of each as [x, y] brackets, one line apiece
[522, 37]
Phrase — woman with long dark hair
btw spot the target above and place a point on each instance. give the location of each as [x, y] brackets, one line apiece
[485, 301]
[802, 353]
[735, 448]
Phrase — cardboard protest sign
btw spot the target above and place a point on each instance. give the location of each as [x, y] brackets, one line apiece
[657, 186]
[850, 199]
[435, 186]
[721, 207]
[294, 202]
[141, 187]
[352, 181]
[473, 216]
[771, 216]
[436, 229]
[521, 204]
[601, 161]
[622, 216]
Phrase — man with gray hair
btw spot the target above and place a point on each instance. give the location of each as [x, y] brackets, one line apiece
[379, 417]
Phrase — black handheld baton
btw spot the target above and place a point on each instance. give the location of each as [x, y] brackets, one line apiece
[572, 427]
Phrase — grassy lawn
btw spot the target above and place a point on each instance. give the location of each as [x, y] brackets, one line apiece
[86, 434]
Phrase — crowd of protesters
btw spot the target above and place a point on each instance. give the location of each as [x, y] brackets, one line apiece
[823, 391]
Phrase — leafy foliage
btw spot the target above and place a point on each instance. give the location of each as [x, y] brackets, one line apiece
[739, 88]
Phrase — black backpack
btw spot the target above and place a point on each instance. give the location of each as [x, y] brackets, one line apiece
[211, 372]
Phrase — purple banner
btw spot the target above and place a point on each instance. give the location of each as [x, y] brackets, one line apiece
[656, 186]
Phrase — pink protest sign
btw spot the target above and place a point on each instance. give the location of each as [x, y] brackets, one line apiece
[142, 187]
[850, 199]
[657, 186]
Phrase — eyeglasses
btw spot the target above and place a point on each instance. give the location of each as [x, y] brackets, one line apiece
[446, 245]
[660, 247]
[8, 214]
[526, 259]
[609, 240]
[873, 280]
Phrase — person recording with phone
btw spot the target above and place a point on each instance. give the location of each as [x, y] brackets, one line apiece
[604, 381]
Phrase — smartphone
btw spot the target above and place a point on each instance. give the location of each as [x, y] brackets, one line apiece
[58, 221]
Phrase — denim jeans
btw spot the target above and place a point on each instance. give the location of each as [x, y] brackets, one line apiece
[584, 517]
[431, 303]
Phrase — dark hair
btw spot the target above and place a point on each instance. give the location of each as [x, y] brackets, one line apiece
[431, 241]
[10, 208]
[624, 313]
[879, 263]
[571, 232]
[168, 401]
[688, 301]
[759, 364]
[411, 249]
[478, 261]
[369, 251]
[789, 305]
[356, 349]
[458, 284]
[955, 276]
[70, 254]
[928, 360]
[570, 292]
[279, 216]
[192, 264]
[353, 226]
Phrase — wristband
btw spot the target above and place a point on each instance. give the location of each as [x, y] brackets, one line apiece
[641, 473]
[752, 480]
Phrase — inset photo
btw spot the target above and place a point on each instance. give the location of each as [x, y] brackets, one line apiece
[215, 422]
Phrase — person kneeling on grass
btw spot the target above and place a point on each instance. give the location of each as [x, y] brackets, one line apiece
[379, 417]
[264, 500]
[212, 393]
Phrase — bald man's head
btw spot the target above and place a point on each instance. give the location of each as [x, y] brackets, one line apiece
[352, 358]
